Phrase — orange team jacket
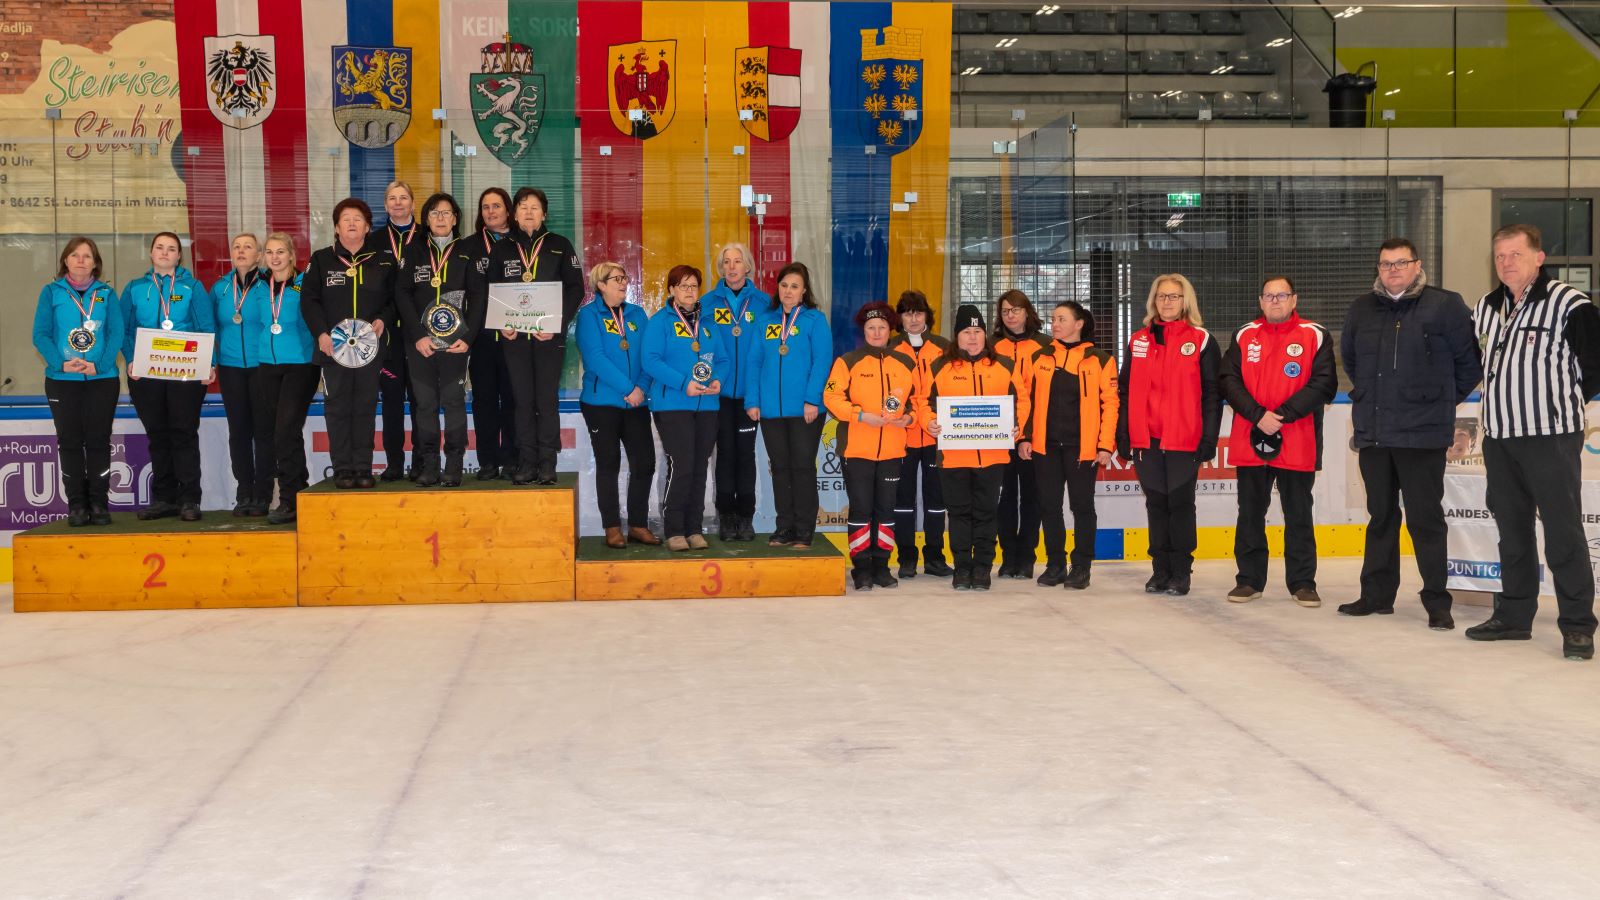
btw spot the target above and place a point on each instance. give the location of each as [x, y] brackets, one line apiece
[925, 356]
[870, 380]
[964, 378]
[1096, 374]
[1022, 349]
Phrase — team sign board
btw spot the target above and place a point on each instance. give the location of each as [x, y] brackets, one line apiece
[171, 355]
[528, 307]
[977, 423]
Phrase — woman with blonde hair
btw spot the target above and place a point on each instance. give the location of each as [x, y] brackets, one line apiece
[610, 335]
[1172, 412]
[286, 377]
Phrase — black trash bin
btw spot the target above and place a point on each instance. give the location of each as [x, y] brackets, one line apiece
[1347, 99]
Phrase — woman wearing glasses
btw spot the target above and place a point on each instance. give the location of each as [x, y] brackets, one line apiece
[1017, 339]
[437, 329]
[1172, 412]
[610, 333]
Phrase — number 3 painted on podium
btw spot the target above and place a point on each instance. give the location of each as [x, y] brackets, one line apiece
[713, 573]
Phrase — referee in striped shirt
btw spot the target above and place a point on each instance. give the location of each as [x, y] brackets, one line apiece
[1541, 344]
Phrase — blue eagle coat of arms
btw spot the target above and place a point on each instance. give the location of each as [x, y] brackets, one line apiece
[890, 81]
[372, 94]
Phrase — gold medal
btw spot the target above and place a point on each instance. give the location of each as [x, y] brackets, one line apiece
[695, 346]
[737, 331]
[435, 282]
[238, 319]
[624, 343]
[527, 276]
[350, 272]
[783, 349]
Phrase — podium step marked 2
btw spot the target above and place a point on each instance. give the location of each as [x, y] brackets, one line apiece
[398, 543]
[217, 563]
[730, 570]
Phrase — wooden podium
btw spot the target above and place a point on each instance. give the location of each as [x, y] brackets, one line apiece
[216, 563]
[485, 541]
[725, 570]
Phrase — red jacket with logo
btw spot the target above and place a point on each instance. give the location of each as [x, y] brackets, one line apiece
[1286, 368]
[1169, 391]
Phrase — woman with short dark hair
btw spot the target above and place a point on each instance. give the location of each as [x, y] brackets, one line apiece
[438, 327]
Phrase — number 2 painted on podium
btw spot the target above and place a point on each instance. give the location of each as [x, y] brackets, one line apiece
[434, 540]
[713, 573]
[158, 564]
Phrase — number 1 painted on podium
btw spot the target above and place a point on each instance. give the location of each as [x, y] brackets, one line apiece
[434, 540]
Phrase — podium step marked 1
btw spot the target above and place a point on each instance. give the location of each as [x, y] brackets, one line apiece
[639, 572]
[216, 563]
[398, 543]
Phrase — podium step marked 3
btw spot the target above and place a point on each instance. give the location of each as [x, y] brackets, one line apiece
[728, 570]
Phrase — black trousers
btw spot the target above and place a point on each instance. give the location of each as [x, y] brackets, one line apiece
[792, 454]
[688, 438]
[1168, 480]
[438, 382]
[393, 389]
[535, 374]
[1299, 527]
[170, 413]
[1058, 472]
[920, 464]
[973, 496]
[1541, 476]
[1418, 475]
[612, 432]
[493, 411]
[286, 391]
[249, 434]
[871, 486]
[1019, 513]
[349, 403]
[83, 412]
[736, 460]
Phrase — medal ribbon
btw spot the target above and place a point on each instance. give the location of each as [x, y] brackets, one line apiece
[77, 300]
[694, 330]
[395, 248]
[530, 262]
[783, 336]
[275, 298]
[749, 295]
[240, 289]
[441, 262]
[617, 316]
[164, 299]
[356, 281]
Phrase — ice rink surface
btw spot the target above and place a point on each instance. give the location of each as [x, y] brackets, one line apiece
[1027, 742]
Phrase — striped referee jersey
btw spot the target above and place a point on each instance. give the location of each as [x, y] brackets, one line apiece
[1541, 359]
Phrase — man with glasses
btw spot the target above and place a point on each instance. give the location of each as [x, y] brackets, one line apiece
[1541, 341]
[1277, 377]
[1411, 356]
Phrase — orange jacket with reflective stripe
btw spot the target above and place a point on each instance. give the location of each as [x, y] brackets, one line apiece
[870, 381]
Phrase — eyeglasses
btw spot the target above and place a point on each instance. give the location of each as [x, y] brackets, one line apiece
[687, 286]
[441, 214]
[1168, 298]
[1012, 309]
[1393, 265]
[617, 277]
[1277, 298]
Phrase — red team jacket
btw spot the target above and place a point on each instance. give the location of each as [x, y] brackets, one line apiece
[1169, 391]
[1288, 369]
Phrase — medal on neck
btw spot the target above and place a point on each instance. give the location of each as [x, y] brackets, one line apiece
[440, 259]
[530, 261]
[275, 301]
[239, 290]
[622, 329]
[783, 336]
[739, 316]
[354, 272]
[694, 330]
[81, 338]
[394, 247]
[164, 299]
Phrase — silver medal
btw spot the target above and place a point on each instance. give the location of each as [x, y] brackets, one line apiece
[166, 325]
[276, 328]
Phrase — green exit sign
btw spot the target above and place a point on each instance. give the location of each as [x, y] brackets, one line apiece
[1183, 201]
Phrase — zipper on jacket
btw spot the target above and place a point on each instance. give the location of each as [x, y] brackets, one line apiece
[883, 391]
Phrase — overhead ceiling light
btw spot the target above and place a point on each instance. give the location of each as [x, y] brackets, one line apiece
[1348, 12]
[972, 70]
[1222, 70]
[1391, 93]
[1005, 42]
[1280, 42]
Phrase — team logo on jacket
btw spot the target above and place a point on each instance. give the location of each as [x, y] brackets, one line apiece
[1294, 350]
[372, 94]
[723, 316]
[507, 99]
[1253, 354]
[640, 87]
[1140, 348]
[1292, 370]
[611, 326]
[239, 79]
[890, 114]
[1188, 348]
[766, 83]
